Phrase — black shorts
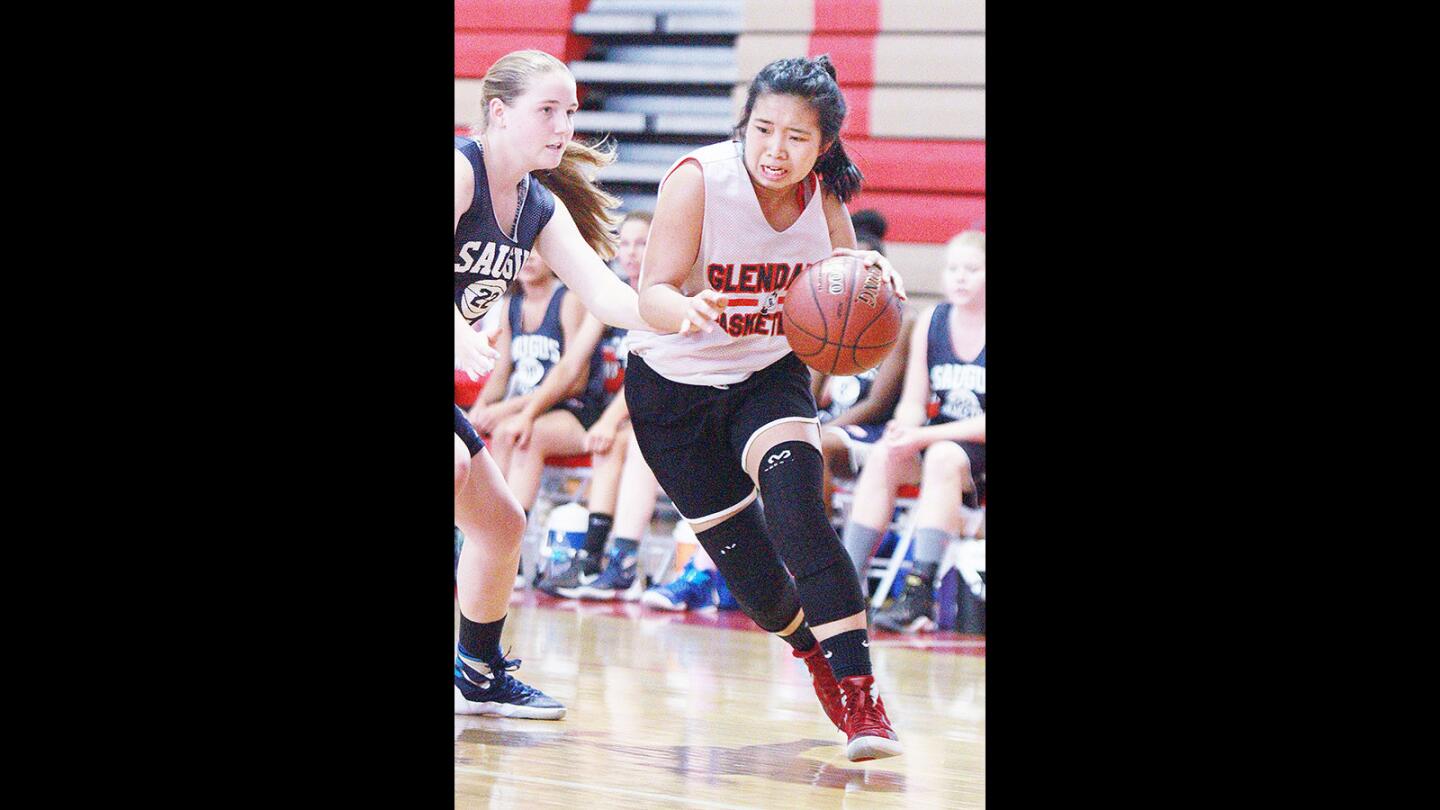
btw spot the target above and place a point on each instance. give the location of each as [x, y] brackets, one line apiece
[694, 437]
[467, 434]
[586, 412]
[976, 452]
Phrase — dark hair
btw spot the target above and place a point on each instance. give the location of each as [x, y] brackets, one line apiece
[870, 227]
[814, 81]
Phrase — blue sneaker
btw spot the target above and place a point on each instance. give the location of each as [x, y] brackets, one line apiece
[692, 590]
[479, 689]
[725, 599]
[617, 581]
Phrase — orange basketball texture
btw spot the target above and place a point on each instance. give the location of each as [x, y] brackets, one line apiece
[839, 317]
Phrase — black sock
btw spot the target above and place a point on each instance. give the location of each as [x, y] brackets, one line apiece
[596, 535]
[802, 639]
[849, 653]
[481, 640]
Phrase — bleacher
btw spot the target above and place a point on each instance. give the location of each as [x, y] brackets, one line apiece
[913, 73]
[665, 76]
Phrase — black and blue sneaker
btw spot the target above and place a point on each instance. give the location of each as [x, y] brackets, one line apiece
[482, 689]
[617, 581]
[694, 589]
[579, 571]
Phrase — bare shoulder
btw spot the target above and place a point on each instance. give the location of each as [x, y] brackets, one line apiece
[837, 220]
[464, 183]
[463, 170]
[834, 209]
[685, 185]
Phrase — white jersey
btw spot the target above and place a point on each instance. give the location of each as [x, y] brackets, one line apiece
[742, 256]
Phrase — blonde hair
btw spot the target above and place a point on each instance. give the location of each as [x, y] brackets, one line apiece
[638, 215]
[974, 239]
[589, 205]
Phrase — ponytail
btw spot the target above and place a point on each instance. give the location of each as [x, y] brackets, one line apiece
[838, 174]
[589, 205]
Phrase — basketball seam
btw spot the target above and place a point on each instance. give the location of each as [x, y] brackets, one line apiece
[849, 305]
[878, 315]
[824, 324]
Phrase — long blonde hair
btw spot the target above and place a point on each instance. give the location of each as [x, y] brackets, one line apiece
[974, 239]
[589, 205]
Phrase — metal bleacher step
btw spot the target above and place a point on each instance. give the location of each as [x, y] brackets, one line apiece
[604, 121]
[653, 73]
[637, 173]
[662, 153]
[601, 121]
[688, 105]
[637, 201]
[631, 17]
[660, 75]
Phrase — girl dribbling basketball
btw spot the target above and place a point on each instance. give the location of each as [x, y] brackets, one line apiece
[722, 410]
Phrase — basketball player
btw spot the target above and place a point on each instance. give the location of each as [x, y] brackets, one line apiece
[538, 402]
[502, 211]
[722, 410]
[622, 489]
[937, 438]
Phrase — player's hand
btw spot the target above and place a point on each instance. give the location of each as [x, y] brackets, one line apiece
[600, 437]
[903, 442]
[517, 429]
[484, 418]
[872, 258]
[704, 307]
[474, 353]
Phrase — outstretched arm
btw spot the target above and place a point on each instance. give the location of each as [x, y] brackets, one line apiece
[603, 293]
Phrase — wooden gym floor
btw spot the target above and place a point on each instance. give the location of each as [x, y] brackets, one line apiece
[704, 710]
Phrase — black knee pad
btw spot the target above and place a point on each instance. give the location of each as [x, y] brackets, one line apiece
[790, 485]
[753, 571]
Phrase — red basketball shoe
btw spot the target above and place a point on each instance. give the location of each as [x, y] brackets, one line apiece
[871, 736]
[823, 679]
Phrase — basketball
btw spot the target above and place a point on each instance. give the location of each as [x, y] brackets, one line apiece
[839, 318]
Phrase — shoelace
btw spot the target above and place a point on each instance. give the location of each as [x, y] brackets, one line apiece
[866, 702]
[502, 679]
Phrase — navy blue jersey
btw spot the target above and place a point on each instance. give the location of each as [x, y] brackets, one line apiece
[486, 260]
[845, 392]
[957, 387]
[534, 354]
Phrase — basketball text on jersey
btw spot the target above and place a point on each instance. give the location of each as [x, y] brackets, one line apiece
[962, 382]
[531, 354]
[767, 278]
[496, 264]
